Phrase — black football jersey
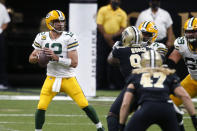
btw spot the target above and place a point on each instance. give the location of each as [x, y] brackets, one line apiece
[157, 87]
[129, 58]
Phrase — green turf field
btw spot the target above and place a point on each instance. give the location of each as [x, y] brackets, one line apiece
[18, 115]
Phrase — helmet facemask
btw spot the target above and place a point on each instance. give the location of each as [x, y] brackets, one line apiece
[191, 36]
[149, 32]
[190, 29]
[147, 37]
[58, 25]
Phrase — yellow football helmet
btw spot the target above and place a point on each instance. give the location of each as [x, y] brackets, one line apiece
[151, 58]
[54, 17]
[190, 29]
[131, 37]
[149, 31]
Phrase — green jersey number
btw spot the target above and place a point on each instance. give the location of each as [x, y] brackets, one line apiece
[57, 47]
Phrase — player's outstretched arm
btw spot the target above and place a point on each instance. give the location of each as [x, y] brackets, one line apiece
[124, 110]
[184, 96]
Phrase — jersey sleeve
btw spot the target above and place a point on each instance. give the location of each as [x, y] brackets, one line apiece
[179, 44]
[116, 53]
[100, 16]
[169, 21]
[72, 43]
[161, 48]
[124, 20]
[37, 42]
[131, 79]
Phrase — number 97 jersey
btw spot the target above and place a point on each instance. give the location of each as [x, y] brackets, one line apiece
[129, 58]
[60, 46]
[189, 56]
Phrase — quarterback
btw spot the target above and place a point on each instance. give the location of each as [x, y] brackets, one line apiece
[61, 47]
[186, 48]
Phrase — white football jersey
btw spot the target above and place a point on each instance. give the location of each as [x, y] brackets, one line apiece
[189, 57]
[65, 43]
[159, 47]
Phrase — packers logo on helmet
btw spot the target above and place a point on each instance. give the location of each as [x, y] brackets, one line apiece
[151, 58]
[131, 36]
[190, 29]
[55, 16]
[149, 31]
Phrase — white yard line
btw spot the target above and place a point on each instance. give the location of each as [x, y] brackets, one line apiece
[59, 98]
[22, 97]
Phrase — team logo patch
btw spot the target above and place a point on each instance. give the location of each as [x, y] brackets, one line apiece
[43, 37]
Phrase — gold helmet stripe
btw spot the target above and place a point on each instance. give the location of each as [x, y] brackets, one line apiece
[190, 23]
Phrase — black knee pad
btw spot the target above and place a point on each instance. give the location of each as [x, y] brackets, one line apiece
[112, 122]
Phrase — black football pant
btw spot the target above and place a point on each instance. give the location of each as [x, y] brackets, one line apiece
[150, 113]
[113, 116]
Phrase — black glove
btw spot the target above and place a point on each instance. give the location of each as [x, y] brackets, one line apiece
[194, 121]
[121, 127]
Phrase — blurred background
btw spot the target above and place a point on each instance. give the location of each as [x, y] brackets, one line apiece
[26, 17]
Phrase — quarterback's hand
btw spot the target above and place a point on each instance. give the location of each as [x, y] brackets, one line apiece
[51, 54]
[194, 121]
[121, 127]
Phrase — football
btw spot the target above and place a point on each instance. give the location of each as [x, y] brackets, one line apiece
[43, 59]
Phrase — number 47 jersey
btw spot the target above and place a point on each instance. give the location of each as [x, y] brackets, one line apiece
[188, 55]
[60, 46]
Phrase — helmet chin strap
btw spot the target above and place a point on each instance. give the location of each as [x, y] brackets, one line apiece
[57, 31]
